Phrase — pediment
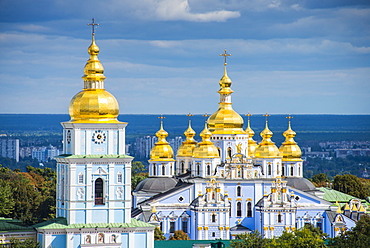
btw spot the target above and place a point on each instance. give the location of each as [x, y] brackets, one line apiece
[100, 171]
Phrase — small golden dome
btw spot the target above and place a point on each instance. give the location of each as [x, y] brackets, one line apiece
[187, 147]
[289, 149]
[94, 104]
[205, 148]
[252, 144]
[225, 120]
[267, 148]
[161, 151]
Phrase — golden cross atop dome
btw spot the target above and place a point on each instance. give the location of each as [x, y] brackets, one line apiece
[161, 117]
[225, 55]
[266, 115]
[93, 24]
[249, 115]
[289, 117]
[189, 115]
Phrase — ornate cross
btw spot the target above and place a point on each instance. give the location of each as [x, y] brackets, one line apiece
[93, 24]
[266, 115]
[225, 55]
[249, 115]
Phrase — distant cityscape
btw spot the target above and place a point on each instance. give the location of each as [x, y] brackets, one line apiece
[140, 149]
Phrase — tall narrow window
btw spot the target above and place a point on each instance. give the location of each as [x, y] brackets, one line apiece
[154, 170]
[119, 177]
[249, 209]
[81, 178]
[182, 167]
[184, 226]
[283, 170]
[238, 209]
[291, 170]
[213, 234]
[198, 169]
[213, 218]
[229, 152]
[269, 171]
[208, 170]
[238, 191]
[172, 227]
[219, 150]
[279, 218]
[99, 192]
[299, 171]
[163, 169]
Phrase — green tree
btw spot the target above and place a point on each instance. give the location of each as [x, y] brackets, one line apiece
[138, 174]
[358, 237]
[158, 234]
[249, 240]
[6, 199]
[28, 243]
[179, 235]
[321, 177]
[137, 168]
[307, 237]
[351, 185]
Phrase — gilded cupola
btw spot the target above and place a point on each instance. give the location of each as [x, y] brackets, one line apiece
[187, 147]
[225, 120]
[252, 144]
[289, 149]
[205, 148]
[266, 148]
[161, 151]
[93, 104]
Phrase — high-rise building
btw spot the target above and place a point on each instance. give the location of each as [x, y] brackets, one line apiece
[9, 148]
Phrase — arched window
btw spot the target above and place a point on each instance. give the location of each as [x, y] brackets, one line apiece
[182, 167]
[163, 169]
[81, 178]
[208, 170]
[238, 209]
[238, 191]
[154, 170]
[249, 209]
[283, 170]
[279, 218]
[119, 177]
[198, 169]
[213, 234]
[269, 171]
[299, 171]
[99, 192]
[213, 218]
[189, 166]
[114, 238]
[291, 170]
[229, 152]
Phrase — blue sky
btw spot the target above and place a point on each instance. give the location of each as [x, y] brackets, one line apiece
[162, 56]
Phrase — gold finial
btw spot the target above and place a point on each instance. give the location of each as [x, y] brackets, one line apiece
[267, 116]
[93, 24]
[225, 55]
[205, 116]
[161, 120]
[189, 115]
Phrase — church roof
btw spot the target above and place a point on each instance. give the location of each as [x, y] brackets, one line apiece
[156, 184]
[240, 228]
[9, 225]
[180, 186]
[333, 195]
[61, 223]
[300, 183]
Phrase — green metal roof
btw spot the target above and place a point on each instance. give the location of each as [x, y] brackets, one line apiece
[186, 243]
[61, 223]
[94, 156]
[333, 195]
[10, 225]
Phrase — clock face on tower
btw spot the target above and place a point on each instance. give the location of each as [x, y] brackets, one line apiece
[99, 137]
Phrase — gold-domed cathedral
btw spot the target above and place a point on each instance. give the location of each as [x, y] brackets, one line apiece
[94, 202]
[228, 184]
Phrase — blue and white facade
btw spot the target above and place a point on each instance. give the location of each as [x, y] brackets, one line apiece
[247, 187]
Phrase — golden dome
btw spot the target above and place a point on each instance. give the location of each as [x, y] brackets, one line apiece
[267, 148]
[205, 148]
[161, 151]
[252, 144]
[289, 149]
[225, 120]
[187, 147]
[94, 104]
